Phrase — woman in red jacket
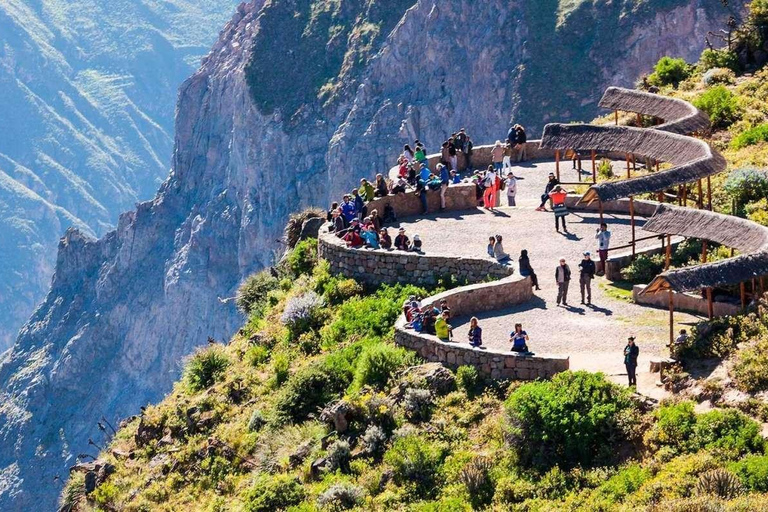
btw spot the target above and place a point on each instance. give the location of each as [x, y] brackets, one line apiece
[558, 196]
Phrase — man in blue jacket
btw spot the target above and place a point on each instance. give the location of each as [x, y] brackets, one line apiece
[445, 179]
[348, 210]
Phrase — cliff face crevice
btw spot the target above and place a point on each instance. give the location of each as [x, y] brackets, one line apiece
[123, 311]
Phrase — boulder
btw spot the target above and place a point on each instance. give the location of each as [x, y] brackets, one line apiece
[311, 228]
[339, 414]
[433, 376]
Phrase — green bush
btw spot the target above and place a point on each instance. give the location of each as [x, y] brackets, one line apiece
[643, 269]
[467, 379]
[605, 169]
[673, 428]
[274, 492]
[750, 368]
[723, 58]
[576, 418]
[303, 258]
[752, 470]
[252, 295]
[720, 104]
[256, 421]
[758, 212]
[416, 463]
[257, 355]
[728, 432]
[719, 337]
[750, 137]
[719, 76]
[280, 368]
[746, 185]
[378, 363]
[622, 484]
[669, 71]
[341, 496]
[372, 316]
[205, 367]
[309, 389]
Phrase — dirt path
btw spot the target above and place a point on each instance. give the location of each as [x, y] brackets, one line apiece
[592, 336]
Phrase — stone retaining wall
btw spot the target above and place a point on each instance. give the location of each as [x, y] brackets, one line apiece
[684, 302]
[473, 299]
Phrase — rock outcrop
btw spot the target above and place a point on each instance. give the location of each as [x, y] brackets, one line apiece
[124, 310]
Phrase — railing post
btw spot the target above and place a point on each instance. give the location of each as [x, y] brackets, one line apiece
[668, 256]
[743, 293]
[616, 117]
[710, 304]
[600, 205]
[629, 175]
[594, 168]
[700, 199]
[632, 223]
[709, 193]
[671, 318]
[557, 164]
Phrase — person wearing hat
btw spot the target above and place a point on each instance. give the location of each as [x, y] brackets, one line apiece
[401, 241]
[563, 280]
[353, 237]
[631, 351]
[511, 186]
[417, 243]
[551, 184]
[586, 276]
[348, 210]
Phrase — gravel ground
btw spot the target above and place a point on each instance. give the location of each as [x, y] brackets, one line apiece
[592, 336]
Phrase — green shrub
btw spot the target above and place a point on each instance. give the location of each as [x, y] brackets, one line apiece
[745, 186]
[378, 363]
[417, 404]
[622, 484]
[750, 368]
[673, 428]
[303, 313]
[280, 368]
[341, 496]
[728, 432]
[252, 294]
[337, 289]
[719, 337]
[758, 212]
[750, 137]
[669, 71]
[719, 482]
[372, 316]
[723, 58]
[720, 104]
[309, 389]
[752, 470]
[467, 379]
[643, 269]
[73, 493]
[256, 421]
[205, 367]
[256, 355]
[477, 478]
[605, 169]
[576, 418]
[339, 455]
[274, 492]
[303, 258]
[717, 76]
[416, 463]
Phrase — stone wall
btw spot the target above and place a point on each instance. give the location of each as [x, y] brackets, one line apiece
[473, 299]
[684, 302]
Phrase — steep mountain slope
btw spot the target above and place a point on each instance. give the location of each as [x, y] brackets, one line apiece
[124, 310]
[87, 91]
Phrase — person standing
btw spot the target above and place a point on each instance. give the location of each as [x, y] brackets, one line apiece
[521, 139]
[497, 155]
[603, 237]
[631, 351]
[453, 157]
[558, 196]
[511, 186]
[445, 179]
[563, 280]
[551, 184]
[489, 182]
[586, 276]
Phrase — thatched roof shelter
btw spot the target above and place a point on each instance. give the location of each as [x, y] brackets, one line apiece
[693, 159]
[746, 236]
[679, 116]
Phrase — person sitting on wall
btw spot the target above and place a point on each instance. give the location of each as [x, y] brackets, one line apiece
[420, 155]
[382, 189]
[367, 190]
[376, 219]
[417, 243]
[338, 225]
[402, 243]
[442, 328]
[519, 339]
[491, 244]
[551, 184]
[428, 318]
[407, 154]
[455, 178]
[400, 185]
[329, 215]
[526, 270]
[348, 209]
[408, 307]
[424, 172]
[384, 239]
[370, 236]
[475, 334]
[412, 177]
[498, 251]
[353, 237]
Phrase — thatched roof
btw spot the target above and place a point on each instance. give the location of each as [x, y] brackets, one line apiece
[746, 236]
[679, 116]
[692, 158]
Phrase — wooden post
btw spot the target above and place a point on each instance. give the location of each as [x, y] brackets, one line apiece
[743, 293]
[639, 119]
[629, 175]
[634, 162]
[657, 166]
[660, 197]
[685, 195]
[594, 168]
[679, 195]
[710, 304]
[557, 163]
[671, 318]
[703, 251]
[600, 205]
[668, 256]
[632, 223]
[616, 117]
[709, 194]
[700, 200]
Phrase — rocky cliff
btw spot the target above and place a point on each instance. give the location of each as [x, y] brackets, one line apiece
[295, 101]
[87, 91]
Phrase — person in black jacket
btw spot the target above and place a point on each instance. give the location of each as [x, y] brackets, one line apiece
[588, 269]
[526, 270]
[631, 351]
[563, 280]
[551, 184]
[520, 140]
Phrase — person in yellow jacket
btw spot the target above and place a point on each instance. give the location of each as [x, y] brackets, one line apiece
[442, 327]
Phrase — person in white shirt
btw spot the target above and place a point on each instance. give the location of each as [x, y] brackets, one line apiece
[511, 186]
[603, 237]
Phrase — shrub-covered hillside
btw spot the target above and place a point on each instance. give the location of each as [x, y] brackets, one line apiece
[312, 407]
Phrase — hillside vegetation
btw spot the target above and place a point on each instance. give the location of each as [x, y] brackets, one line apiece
[312, 407]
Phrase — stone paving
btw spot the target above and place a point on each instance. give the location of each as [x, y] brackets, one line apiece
[593, 336]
